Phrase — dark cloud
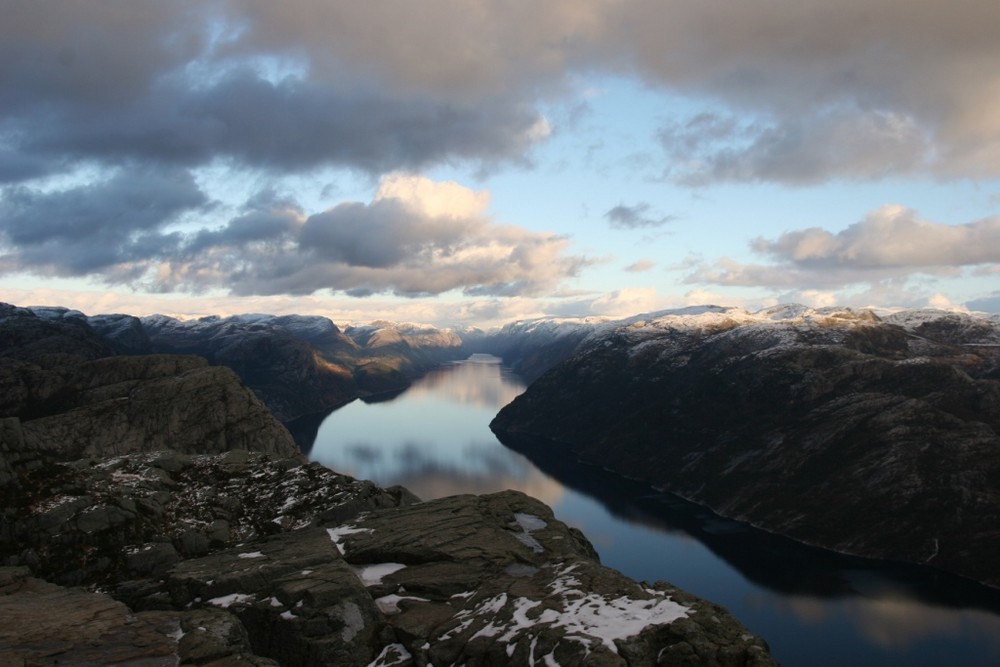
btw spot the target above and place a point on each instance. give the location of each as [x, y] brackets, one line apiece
[131, 200]
[915, 80]
[874, 87]
[635, 217]
[415, 238]
[291, 125]
[850, 145]
[96, 227]
[378, 235]
[188, 83]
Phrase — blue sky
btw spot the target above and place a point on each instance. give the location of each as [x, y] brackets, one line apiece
[478, 162]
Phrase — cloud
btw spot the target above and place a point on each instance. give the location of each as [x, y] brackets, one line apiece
[891, 244]
[844, 144]
[96, 227]
[289, 126]
[640, 266]
[616, 304]
[187, 83]
[634, 217]
[416, 237]
[916, 83]
[872, 88]
[889, 237]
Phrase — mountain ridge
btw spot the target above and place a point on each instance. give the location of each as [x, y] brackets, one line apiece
[830, 426]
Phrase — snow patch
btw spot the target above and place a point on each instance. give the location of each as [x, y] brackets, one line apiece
[389, 604]
[337, 534]
[591, 615]
[354, 623]
[252, 554]
[529, 523]
[371, 575]
[584, 616]
[393, 654]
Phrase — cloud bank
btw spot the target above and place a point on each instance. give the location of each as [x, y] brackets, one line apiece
[863, 88]
[890, 243]
[416, 237]
[113, 112]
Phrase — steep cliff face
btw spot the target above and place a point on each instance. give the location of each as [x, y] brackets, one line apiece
[831, 427]
[297, 366]
[304, 365]
[531, 347]
[66, 396]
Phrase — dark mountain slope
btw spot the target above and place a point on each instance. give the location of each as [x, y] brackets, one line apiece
[831, 427]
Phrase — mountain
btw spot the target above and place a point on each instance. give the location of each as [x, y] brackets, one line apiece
[298, 365]
[155, 513]
[531, 347]
[872, 436]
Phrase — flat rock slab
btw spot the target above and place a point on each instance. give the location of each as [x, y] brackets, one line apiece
[497, 580]
[46, 624]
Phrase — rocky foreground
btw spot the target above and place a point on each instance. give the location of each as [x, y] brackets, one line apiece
[156, 514]
[875, 437]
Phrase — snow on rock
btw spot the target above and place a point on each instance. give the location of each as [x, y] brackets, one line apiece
[389, 604]
[226, 601]
[591, 615]
[582, 616]
[339, 533]
[371, 575]
[391, 655]
[529, 523]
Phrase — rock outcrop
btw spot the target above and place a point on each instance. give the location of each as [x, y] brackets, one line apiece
[66, 395]
[832, 427]
[274, 558]
[305, 365]
[299, 366]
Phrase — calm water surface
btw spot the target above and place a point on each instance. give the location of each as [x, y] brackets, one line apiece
[813, 607]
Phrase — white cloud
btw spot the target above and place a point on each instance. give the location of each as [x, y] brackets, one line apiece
[889, 237]
[433, 199]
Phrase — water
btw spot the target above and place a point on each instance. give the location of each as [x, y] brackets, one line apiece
[814, 608]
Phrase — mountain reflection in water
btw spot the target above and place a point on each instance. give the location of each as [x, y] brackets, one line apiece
[813, 607]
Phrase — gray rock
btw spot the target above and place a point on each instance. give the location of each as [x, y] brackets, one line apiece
[153, 559]
[496, 580]
[45, 624]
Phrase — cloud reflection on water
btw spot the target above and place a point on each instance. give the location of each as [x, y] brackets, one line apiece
[895, 624]
[434, 439]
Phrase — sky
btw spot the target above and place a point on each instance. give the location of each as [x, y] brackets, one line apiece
[461, 162]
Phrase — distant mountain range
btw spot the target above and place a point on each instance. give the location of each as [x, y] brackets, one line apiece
[155, 512]
[876, 435]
